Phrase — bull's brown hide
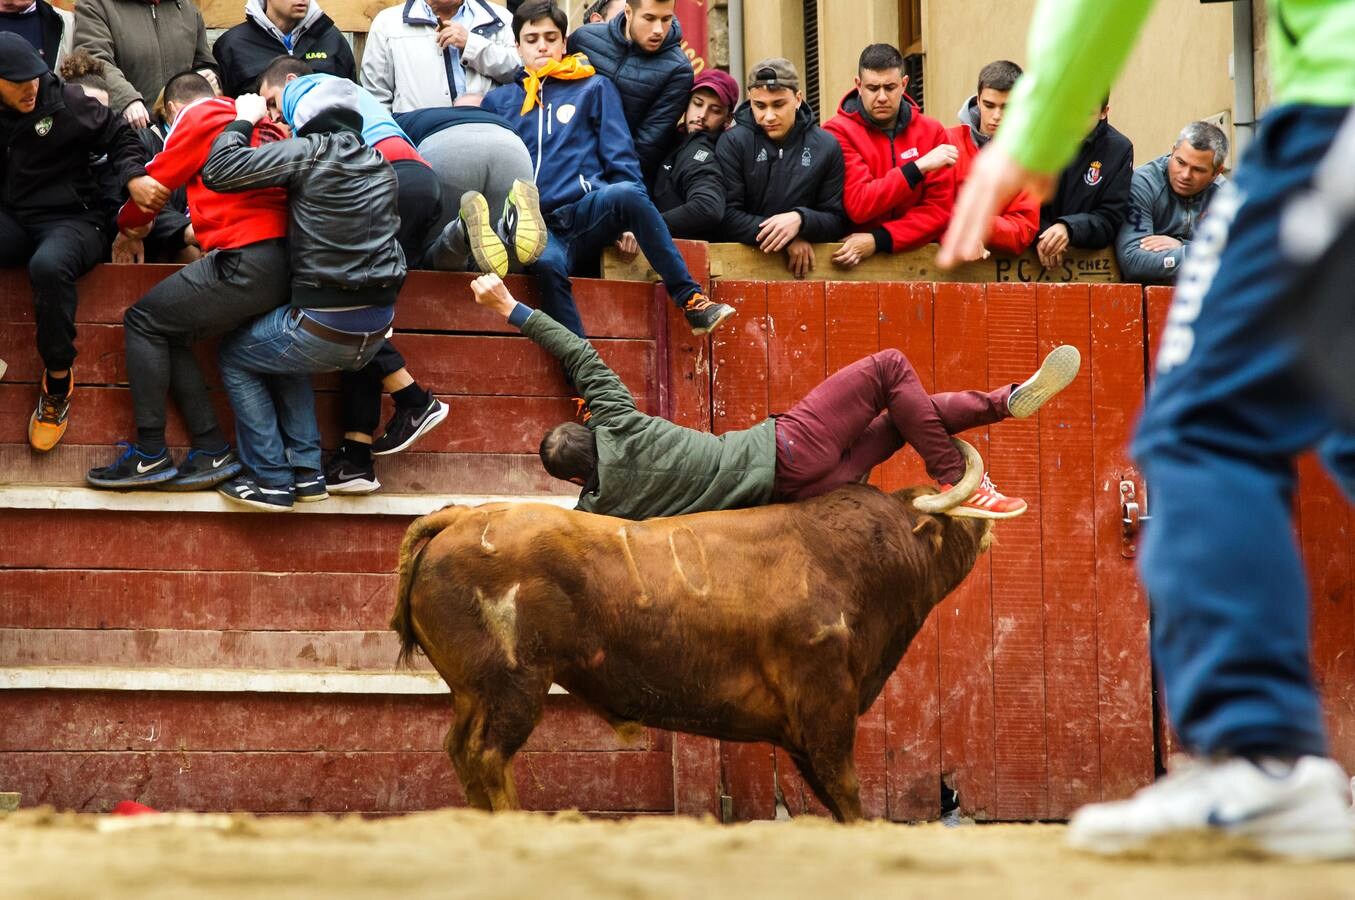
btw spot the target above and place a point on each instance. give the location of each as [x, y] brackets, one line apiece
[776, 624]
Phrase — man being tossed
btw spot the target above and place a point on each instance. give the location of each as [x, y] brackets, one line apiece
[637, 466]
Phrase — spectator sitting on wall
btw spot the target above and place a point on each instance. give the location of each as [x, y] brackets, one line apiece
[51, 217]
[687, 188]
[603, 11]
[639, 51]
[1015, 227]
[298, 28]
[782, 172]
[1167, 199]
[899, 188]
[426, 53]
[171, 236]
[1092, 194]
[144, 43]
[50, 29]
[586, 171]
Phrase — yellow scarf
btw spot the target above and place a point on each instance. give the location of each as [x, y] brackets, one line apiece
[571, 68]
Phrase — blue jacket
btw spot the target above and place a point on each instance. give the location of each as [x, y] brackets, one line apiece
[421, 124]
[576, 134]
[654, 86]
[377, 123]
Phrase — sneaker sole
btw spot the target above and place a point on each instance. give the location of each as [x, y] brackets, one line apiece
[204, 480]
[255, 504]
[312, 498]
[716, 324]
[356, 487]
[428, 424]
[128, 484]
[529, 238]
[485, 246]
[1057, 371]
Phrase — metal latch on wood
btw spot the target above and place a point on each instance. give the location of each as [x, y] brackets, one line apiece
[1133, 513]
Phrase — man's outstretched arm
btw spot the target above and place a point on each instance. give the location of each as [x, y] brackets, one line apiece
[602, 390]
[1076, 48]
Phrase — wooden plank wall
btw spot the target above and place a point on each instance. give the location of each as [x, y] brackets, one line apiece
[1028, 689]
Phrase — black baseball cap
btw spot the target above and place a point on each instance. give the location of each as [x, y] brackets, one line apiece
[18, 60]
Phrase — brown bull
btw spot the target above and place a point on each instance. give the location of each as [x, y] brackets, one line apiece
[777, 624]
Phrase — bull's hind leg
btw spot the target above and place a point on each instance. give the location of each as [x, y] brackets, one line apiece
[459, 745]
[503, 728]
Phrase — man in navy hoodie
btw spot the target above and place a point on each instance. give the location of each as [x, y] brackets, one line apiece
[587, 174]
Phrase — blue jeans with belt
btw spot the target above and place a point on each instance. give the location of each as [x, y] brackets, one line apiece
[1227, 412]
[266, 367]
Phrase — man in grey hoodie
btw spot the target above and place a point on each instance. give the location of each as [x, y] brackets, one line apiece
[1167, 199]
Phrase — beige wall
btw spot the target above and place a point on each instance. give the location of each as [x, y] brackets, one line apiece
[773, 28]
[841, 39]
[1177, 73]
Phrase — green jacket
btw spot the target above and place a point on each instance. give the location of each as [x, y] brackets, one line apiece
[1077, 47]
[647, 466]
[143, 43]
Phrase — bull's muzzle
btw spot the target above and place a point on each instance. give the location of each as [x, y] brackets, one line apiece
[973, 474]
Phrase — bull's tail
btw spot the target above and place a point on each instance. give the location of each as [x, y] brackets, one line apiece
[411, 550]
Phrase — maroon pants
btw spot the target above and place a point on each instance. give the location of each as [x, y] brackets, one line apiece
[864, 414]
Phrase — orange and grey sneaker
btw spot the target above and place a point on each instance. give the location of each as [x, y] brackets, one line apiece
[486, 248]
[987, 502]
[48, 422]
[704, 316]
[523, 226]
[581, 410]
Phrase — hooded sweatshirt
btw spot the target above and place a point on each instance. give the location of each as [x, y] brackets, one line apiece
[144, 44]
[245, 51]
[1016, 226]
[576, 133]
[885, 192]
[1155, 208]
[802, 173]
[377, 123]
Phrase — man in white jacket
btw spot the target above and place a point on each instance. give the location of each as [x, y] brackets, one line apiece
[425, 53]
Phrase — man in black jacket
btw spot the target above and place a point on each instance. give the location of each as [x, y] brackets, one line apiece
[687, 187]
[1093, 195]
[783, 174]
[51, 217]
[274, 28]
[346, 272]
[639, 51]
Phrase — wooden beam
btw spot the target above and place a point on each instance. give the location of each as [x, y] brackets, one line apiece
[348, 15]
[739, 261]
[228, 681]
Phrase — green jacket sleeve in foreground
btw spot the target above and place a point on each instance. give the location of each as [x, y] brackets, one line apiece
[1075, 49]
[604, 392]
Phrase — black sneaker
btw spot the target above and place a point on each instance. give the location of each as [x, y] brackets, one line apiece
[408, 425]
[343, 476]
[522, 225]
[133, 469]
[308, 485]
[201, 470]
[244, 489]
[704, 316]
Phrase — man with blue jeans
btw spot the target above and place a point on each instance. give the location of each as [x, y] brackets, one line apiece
[1227, 412]
[587, 173]
[346, 272]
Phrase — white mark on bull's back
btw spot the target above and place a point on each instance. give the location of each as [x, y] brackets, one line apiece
[703, 570]
[501, 620]
[837, 629]
[484, 537]
[641, 598]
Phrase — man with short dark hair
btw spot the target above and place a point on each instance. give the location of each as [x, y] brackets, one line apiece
[782, 172]
[899, 187]
[586, 172]
[242, 275]
[1093, 194]
[296, 28]
[687, 188]
[1015, 227]
[640, 52]
[51, 213]
[1167, 199]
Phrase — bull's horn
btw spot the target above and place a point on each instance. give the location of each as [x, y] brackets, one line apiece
[973, 474]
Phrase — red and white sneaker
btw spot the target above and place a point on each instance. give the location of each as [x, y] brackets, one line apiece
[987, 502]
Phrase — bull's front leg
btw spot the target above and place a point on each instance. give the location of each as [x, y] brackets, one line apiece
[826, 756]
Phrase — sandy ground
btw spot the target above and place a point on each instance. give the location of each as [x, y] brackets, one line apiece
[467, 854]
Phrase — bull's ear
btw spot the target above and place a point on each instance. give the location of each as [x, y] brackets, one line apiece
[930, 526]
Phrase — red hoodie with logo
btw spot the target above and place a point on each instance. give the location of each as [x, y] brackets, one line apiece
[1015, 227]
[885, 192]
[220, 221]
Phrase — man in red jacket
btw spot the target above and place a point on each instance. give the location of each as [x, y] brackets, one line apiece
[1014, 228]
[899, 187]
[244, 274]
